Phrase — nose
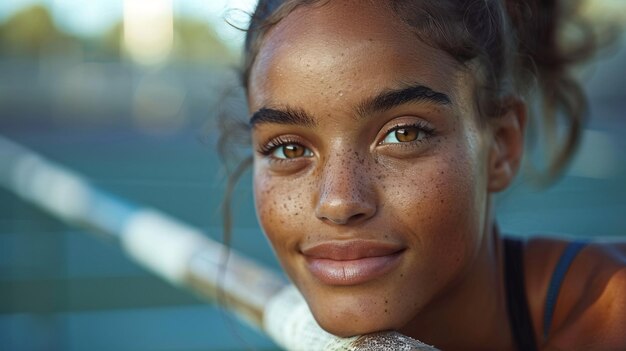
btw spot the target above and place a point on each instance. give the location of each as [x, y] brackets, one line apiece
[346, 195]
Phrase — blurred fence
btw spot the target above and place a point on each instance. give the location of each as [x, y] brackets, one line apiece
[62, 290]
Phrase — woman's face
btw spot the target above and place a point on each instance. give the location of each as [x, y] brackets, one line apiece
[370, 170]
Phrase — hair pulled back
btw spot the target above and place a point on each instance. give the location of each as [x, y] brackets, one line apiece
[516, 46]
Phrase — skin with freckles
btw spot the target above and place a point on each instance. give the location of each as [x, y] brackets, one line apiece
[373, 178]
[428, 196]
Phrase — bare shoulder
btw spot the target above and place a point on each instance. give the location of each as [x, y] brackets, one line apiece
[590, 312]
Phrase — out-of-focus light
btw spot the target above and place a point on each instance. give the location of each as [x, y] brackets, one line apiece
[613, 10]
[148, 30]
[58, 191]
[86, 18]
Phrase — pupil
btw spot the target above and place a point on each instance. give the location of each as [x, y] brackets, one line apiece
[406, 134]
[292, 151]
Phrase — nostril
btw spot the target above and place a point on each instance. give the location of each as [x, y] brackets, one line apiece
[335, 220]
[357, 217]
[345, 219]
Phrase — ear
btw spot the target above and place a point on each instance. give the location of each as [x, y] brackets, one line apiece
[507, 144]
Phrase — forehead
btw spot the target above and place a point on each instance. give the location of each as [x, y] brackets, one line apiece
[344, 48]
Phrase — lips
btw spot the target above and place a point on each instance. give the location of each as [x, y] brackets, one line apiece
[351, 262]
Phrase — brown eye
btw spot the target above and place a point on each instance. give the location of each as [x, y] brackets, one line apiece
[406, 134]
[289, 151]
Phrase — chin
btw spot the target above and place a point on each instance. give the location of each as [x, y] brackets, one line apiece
[349, 315]
[348, 328]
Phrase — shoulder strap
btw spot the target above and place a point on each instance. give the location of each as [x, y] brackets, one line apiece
[567, 257]
[519, 315]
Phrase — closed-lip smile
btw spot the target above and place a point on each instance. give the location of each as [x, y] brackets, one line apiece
[351, 262]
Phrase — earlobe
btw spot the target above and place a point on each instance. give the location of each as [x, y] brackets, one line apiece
[507, 147]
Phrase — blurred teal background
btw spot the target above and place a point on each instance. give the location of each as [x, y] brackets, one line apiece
[127, 94]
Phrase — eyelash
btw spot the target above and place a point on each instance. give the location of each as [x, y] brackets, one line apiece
[420, 125]
[266, 149]
[269, 147]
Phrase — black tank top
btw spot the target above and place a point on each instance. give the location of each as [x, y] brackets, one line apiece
[517, 305]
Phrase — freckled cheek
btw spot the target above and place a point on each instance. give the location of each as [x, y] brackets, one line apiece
[281, 209]
[454, 213]
[437, 203]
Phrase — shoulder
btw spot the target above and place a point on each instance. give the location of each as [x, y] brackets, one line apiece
[590, 312]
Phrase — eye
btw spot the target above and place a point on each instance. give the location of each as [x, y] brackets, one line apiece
[405, 134]
[291, 150]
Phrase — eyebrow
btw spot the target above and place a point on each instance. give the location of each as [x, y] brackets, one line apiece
[389, 99]
[383, 101]
[288, 115]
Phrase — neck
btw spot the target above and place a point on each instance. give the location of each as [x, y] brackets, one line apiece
[466, 315]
